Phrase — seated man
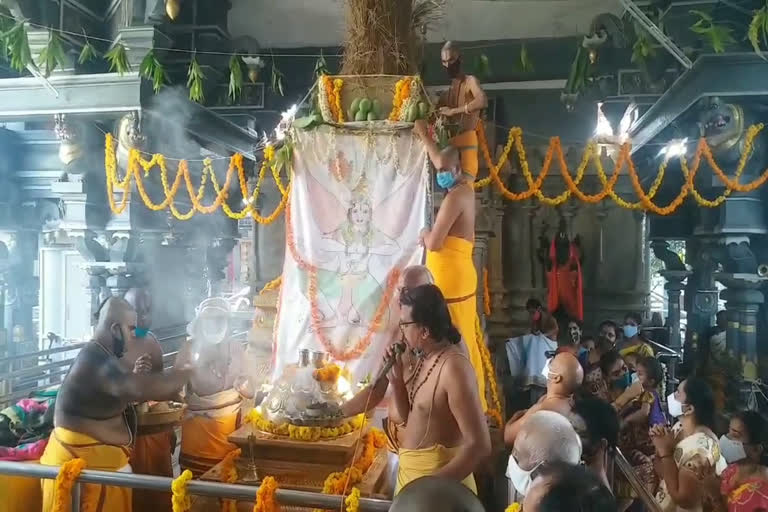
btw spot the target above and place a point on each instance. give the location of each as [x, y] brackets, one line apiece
[546, 437]
[563, 487]
[214, 392]
[563, 380]
[151, 454]
[445, 429]
[432, 493]
[92, 419]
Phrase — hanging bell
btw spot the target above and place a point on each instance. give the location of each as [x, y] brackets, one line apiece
[172, 8]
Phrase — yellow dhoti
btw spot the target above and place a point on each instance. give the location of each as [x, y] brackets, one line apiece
[415, 464]
[466, 143]
[152, 456]
[455, 275]
[65, 445]
[20, 494]
[205, 430]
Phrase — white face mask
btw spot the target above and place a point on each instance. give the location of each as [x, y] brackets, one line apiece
[635, 378]
[674, 406]
[520, 478]
[732, 450]
[545, 370]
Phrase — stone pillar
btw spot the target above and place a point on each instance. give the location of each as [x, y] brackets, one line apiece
[673, 287]
[700, 302]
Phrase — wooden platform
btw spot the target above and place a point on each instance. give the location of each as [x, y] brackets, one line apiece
[334, 452]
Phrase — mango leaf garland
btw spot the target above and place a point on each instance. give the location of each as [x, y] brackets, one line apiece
[118, 59]
[6, 24]
[235, 77]
[526, 64]
[482, 68]
[87, 54]
[717, 36]
[321, 66]
[195, 77]
[277, 80]
[152, 69]
[758, 29]
[52, 55]
[17, 44]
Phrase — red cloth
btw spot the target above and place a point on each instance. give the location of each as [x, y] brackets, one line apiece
[748, 496]
[565, 283]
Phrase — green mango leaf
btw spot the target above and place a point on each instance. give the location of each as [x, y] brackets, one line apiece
[118, 59]
[704, 16]
[52, 55]
[235, 77]
[87, 54]
[195, 78]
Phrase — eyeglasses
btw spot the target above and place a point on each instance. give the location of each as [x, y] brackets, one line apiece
[405, 324]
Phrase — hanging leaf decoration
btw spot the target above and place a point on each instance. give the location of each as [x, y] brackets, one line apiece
[758, 29]
[716, 36]
[526, 64]
[118, 59]
[195, 77]
[6, 24]
[321, 66]
[277, 80]
[482, 67]
[52, 55]
[152, 69]
[235, 77]
[17, 45]
[87, 54]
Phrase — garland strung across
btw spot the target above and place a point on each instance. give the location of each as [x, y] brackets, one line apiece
[591, 153]
[136, 162]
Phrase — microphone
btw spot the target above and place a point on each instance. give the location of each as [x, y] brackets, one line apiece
[399, 348]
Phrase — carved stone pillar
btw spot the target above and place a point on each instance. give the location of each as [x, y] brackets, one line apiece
[700, 302]
[673, 287]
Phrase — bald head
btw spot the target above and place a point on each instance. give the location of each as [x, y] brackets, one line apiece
[546, 436]
[435, 493]
[141, 301]
[416, 275]
[450, 49]
[565, 374]
[117, 321]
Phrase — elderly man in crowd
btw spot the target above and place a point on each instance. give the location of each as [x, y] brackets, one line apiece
[545, 437]
[434, 493]
[562, 487]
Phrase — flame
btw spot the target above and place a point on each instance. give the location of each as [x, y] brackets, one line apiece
[344, 388]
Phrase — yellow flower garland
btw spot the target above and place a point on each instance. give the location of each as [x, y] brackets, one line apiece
[304, 433]
[266, 501]
[486, 294]
[338, 83]
[65, 480]
[272, 285]
[229, 476]
[353, 500]
[515, 507]
[490, 375]
[180, 499]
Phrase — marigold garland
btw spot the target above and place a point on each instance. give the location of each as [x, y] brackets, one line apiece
[328, 373]
[300, 433]
[338, 83]
[65, 480]
[137, 162]
[359, 347]
[180, 499]
[353, 500]
[514, 507]
[228, 475]
[402, 95]
[272, 285]
[486, 294]
[490, 374]
[266, 499]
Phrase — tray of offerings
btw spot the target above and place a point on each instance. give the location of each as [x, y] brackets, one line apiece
[150, 414]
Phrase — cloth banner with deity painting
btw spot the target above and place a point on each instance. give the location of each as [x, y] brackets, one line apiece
[357, 206]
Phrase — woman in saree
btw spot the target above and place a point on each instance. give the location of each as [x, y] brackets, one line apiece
[594, 382]
[633, 342]
[688, 458]
[744, 484]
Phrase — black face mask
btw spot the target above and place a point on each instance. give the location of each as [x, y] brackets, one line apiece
[118, 344]
[454, 68]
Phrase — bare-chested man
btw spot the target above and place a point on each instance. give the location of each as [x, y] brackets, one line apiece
[154, 444]
[563, 380]
[449, 247]
[445, 432]
[93, 420]
[213, 394]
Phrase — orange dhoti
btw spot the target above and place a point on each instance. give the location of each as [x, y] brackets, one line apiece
[152, 456]
[20, 494]
[466, 143]
[206, 428]
[454, 272]
[65, 445]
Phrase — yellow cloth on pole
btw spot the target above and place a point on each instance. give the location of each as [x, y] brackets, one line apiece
[415, 464]
[65, 445]
[466, 143]
[455, 275]
[20, 494]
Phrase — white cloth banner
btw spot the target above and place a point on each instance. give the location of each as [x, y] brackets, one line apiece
[353, 221]
[527, 356]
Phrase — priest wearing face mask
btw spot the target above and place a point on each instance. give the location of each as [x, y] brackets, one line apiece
[688, 457]
[744, 484]
[151, 454]
[450, 243]
[564, 378]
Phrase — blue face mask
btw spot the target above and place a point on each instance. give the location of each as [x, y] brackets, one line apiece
[446, 179]
[623, 382]
[630, 331]
[141, 332]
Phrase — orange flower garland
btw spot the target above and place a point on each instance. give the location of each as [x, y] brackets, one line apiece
[402, 93]
[486, 294]
[65, 480]
[229, 476]
[266, 501]
[328, 89]
[490, 374]
[362, 344]
[328, 373]
[338, 83]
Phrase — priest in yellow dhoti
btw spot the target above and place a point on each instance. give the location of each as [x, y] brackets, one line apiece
[450, 242]
[215, 390]
[93, 419]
